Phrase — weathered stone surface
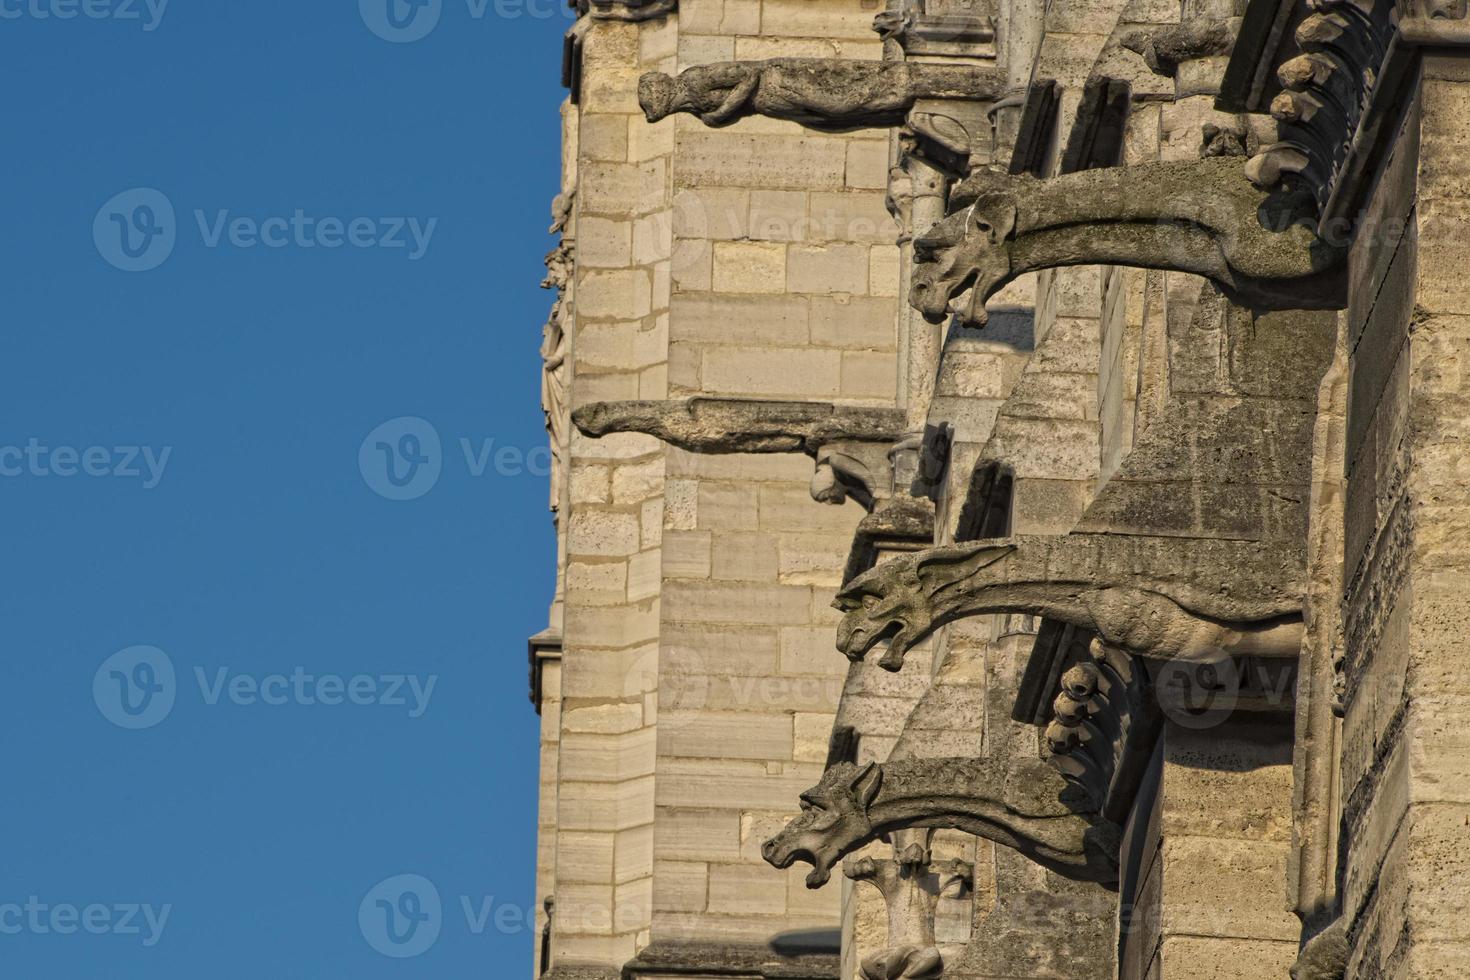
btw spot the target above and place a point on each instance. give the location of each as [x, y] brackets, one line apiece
[1159, 597]
[1202, 217]
[821, 93]
[1022, 804]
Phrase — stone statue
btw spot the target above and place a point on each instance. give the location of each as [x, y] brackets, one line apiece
[554, 394]
[827, 94]
[1204, 217]
[1159, 597]
[560, 268]
[1022, 804]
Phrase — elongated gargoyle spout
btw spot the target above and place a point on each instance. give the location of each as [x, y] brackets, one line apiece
[1165, 598]
[1203, 217]
[1021, 804]
[828, 94]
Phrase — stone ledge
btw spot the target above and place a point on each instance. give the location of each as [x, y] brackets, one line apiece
[805, 956]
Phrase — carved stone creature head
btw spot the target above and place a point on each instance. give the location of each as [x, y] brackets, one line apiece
[896, 600]
[833, 821]
[970, 249]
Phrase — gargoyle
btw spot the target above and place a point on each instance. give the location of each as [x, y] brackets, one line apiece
[1204, 217]
[1164, 48]
[1021, 804]
[850, 445]
[828, 94]
[1158, 597]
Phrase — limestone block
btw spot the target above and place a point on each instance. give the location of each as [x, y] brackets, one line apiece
[602, 137]
[867, 165]
[827, 269]
[708, 734]
[623, 294]
[737, 371]
[731, 602]
[585, 858]
[680, 886]
[736, 158]
[645, 572]
[869, 375]
[606, 758]
[749, 267]
[687, 554]
[701, 835]
[779, 216]
[850, 217]
[719, 213]
[883, 270]
[856, 322]
[603, 533]
[604, 806]
[605, 719]
[749, 557]
[817, 18]
[727, 508]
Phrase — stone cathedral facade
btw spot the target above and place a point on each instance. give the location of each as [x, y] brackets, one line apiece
[1012, 484]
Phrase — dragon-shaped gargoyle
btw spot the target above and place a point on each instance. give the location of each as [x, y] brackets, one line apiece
[1203, 217]
[1022, 804]
[1159, 597]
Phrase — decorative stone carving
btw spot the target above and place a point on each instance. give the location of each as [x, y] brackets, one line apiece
[850, 445]
[1329, 91]
[827, 94]
[1324, 957]
[560, 268]
[1018, 803]
[921, 33]
[911, 887]
[1159, 597]
[1163, 49]
[1202, 217]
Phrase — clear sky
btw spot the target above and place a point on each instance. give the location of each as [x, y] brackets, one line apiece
[193, 461]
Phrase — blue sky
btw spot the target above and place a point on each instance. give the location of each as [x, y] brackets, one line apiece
[186, 467]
